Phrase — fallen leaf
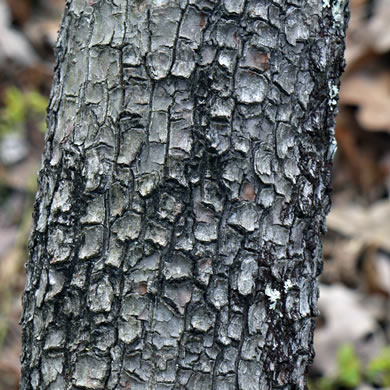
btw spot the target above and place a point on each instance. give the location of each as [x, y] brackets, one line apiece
[371, 93]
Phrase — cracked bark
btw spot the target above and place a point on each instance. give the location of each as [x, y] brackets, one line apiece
[183, 191]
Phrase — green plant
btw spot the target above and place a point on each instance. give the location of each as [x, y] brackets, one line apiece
[20, 107]
[351, 373]
[349, 367]
[321, 384]
[378, 370]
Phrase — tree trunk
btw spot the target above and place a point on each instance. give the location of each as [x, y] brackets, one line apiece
[183, 191]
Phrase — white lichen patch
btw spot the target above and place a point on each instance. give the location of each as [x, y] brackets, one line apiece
[334, 91]
[273, 296]
[333, 94]
[338, 11]
[287, 285]
[332, 149]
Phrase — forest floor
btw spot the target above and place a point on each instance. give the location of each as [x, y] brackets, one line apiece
[352, 338]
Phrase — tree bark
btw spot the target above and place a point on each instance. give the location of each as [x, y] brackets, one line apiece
[183, 191]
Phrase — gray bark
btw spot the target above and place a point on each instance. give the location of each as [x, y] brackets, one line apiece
[182, 195]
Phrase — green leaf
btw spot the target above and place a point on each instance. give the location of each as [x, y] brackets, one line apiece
[349, 366]
[378, 370]
[14, 111]
[36, 102]
[19, 108]
[321, 384]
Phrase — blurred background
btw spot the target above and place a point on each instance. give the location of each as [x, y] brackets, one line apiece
[352, 339]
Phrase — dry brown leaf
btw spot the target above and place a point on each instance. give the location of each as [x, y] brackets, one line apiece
[378, 29]
[341, 260]
[370, 226]
[359, 154]
[42, 32]
[21, 176]
[355, 47]
[375, 272]
[346, 320]
[54, 8]
[368, 31]
[13, 44]
[10, 267]
[21, 10]
[357, 3]
[371, 92]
